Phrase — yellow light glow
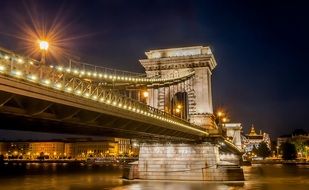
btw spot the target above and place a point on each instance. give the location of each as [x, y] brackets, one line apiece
[18, 73]
[58, 85]
[43, 45]
[78, 92]
[46, 82]
[179, 106]
[145, 94]
[33, 77]
[68, 89]
[20, 60]
[2, 68]
[219, 113]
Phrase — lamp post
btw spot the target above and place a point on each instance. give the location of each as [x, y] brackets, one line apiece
[43, 47]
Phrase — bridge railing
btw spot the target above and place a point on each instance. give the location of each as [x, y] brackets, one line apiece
[30, 70]
[95, 71]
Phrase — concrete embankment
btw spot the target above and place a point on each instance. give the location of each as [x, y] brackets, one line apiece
[279, 162]
[42, 161]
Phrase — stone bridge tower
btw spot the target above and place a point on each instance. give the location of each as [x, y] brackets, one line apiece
[192, 68]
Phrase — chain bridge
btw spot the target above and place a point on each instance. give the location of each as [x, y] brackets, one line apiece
[171, 102]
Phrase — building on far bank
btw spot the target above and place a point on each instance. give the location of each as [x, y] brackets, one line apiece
[124, 146]
[253, 139]
[96, 148]
[52, 149]
[3, 148]
[300, 139]
[80, 148]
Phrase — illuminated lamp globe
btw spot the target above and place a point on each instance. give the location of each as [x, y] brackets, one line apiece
[43, 45]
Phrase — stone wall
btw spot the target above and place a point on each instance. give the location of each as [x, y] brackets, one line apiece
[184, 162]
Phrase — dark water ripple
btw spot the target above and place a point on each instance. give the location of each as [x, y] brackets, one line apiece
[82, 177]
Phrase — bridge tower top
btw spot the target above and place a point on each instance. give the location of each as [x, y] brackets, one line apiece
[184, 57]
[175, 62]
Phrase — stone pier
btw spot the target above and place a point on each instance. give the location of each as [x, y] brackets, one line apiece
[183, 162]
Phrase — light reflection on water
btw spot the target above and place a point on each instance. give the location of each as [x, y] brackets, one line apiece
[78, 177]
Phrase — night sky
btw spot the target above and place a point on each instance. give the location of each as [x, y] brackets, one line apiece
[261, 48]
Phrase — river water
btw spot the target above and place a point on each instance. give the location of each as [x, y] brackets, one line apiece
[47, 176]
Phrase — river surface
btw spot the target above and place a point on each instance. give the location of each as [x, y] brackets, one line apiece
[47, 176]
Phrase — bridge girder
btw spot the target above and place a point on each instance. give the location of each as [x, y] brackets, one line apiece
[25, 102]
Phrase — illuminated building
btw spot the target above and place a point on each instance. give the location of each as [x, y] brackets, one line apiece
[80, 148]
[253, 140]
[3, 148]
[99, 148]
[48, 148]
[124, 146]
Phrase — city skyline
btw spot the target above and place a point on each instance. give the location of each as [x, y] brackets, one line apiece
[260, 50]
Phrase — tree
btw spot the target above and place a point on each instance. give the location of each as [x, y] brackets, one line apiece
[263, 150]
[300, 147]
[288, 151]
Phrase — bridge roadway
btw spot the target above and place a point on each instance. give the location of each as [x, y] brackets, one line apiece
[55, 99]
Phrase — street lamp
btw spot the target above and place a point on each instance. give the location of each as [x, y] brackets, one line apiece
[43, 47]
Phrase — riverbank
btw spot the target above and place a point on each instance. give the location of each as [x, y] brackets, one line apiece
[268, 161]
[43, 161]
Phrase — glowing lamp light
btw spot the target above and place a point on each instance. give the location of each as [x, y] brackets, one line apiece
[219, 113]
[33, 77]
[68, 89]
[47, 82]
[2, 68]
[58, 85]
[145, 94]
[43, 45]
[17, 73]
[224, 119]
[20, 60]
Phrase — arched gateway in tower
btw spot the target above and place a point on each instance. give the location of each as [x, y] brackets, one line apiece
[189, 97]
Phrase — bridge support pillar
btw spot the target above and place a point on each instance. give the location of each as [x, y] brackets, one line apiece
[184, 162]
